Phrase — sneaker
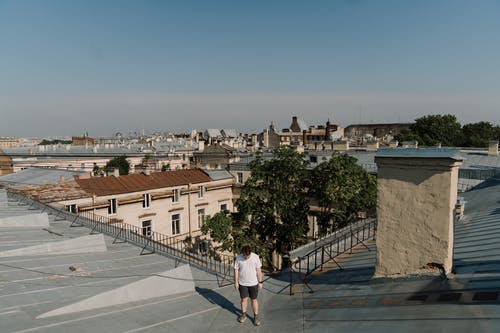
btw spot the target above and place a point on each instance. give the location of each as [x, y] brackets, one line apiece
[256, 320]
[242, 317]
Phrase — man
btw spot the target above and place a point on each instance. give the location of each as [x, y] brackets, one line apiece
[248, 280]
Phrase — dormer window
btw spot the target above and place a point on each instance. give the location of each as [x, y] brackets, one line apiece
[112, 206]
[176, 195]
[72, 208]
[146, 200]
[201, 191]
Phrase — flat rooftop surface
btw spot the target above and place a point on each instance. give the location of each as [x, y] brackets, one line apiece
[347, 300]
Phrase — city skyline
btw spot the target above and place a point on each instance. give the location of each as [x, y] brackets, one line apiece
[172, 66]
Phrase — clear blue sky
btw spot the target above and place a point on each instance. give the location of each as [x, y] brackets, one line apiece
[102, 66]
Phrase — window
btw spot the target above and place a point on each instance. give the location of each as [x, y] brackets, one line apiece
[176, 224]
[201, 217]
[112, 206]
[146, 228]
[72, 208]
[201, 191]
[223, 207]
[175, 198]
[146, 200]
[239, 177]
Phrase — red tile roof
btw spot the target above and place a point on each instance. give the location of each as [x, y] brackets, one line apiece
[141, 182]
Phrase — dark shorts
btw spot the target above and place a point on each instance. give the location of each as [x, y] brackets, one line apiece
[251, 292]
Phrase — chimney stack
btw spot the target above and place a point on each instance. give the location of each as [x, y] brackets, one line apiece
[493, 148]
[416, 197]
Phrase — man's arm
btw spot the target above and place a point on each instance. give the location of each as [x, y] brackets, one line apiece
[236, 272]
[259, 277]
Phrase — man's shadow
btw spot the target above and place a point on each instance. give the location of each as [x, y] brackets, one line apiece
[216, 298]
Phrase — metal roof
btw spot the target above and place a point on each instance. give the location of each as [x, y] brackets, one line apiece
[419, 153]
[34, 285]
[218, 174]
[229, 133]
[347, 300]
[212, 133]
[38, 176]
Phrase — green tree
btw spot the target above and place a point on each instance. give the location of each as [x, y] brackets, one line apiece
[96, 170]
[119, 162]
[433, 129]
[271, 211]
[340, 188]
[479, 134]
[226, 231]
[273, 205]
[54, 142]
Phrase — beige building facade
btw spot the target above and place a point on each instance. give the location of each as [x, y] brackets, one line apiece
[171, 203]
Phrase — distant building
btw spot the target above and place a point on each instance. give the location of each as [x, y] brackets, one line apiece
[85, 157]
[375, 130]
[7, 142]
[6, 165]
[294, 134]
[227, 136]
[212, 135]
[269, 138]
[81, 141]
[216, 156]
[314, 137]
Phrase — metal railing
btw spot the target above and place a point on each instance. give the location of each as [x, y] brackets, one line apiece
[303, 266]
[469, 178]
[180, 250]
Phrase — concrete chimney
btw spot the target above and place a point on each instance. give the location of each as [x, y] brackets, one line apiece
[201, 145]
[341, 145]
[410, 144]
[416, 197]
[266, 138]
[393, 144]
[372, 145]
[493, 148]
[254, 140]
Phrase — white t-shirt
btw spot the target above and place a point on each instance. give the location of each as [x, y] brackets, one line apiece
[247, 269]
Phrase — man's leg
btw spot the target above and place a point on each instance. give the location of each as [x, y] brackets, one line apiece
[244, 302]
[253, 293]
[255, 306]
[244, 294]
[243, 315]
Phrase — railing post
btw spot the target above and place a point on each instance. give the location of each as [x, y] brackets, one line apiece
[350, 249]
[322, 258]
